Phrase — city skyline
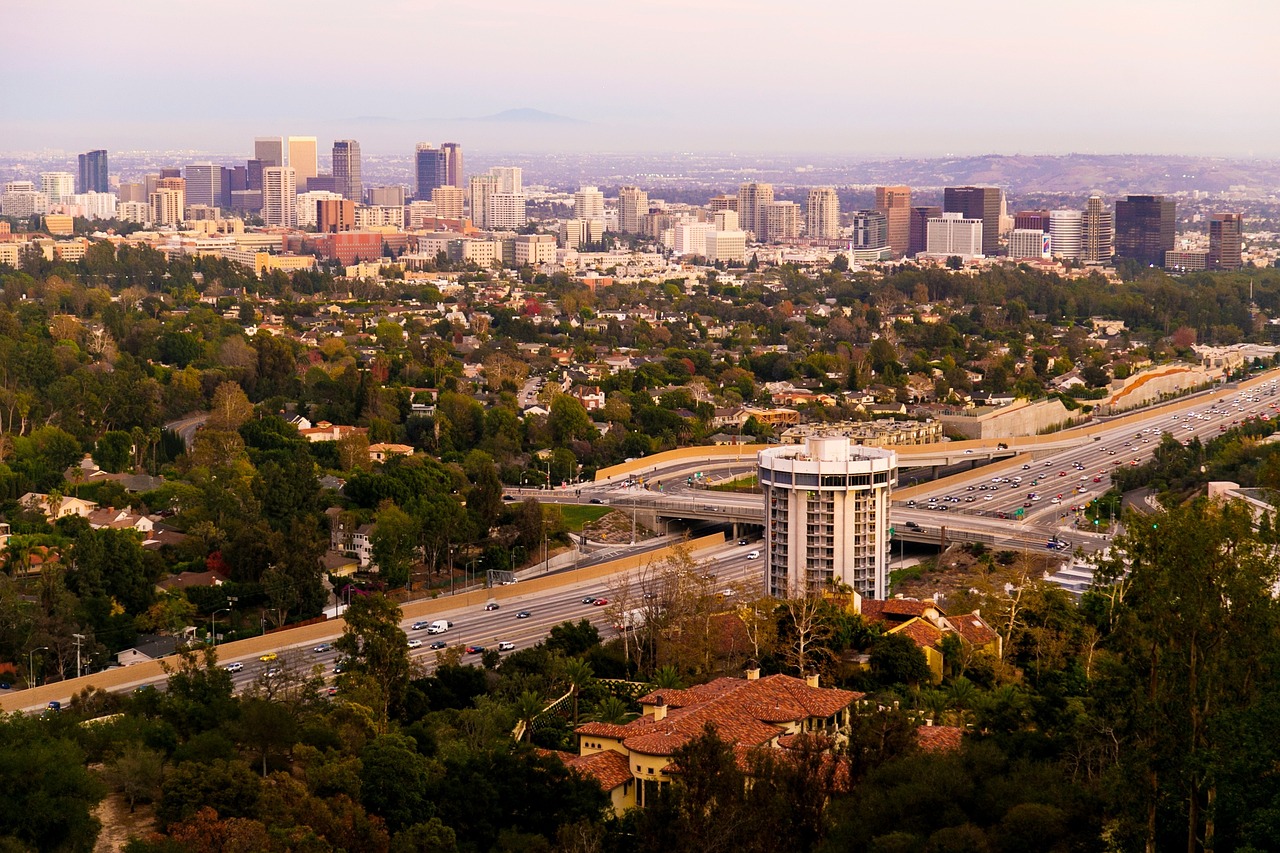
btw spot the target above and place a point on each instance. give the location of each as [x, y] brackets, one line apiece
[1148, 91]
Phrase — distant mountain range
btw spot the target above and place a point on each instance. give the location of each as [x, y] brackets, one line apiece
[528, 115]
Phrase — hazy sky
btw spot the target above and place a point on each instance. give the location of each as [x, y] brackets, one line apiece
[878, 78]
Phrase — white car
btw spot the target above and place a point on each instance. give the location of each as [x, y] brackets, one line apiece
[235, 666]
[753, 555]
[506, 646]
[415, 644]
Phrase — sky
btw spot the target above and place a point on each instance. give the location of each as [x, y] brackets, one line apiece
[865, 78]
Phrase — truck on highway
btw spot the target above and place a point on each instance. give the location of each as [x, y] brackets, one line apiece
[439, 626]
[631, 620]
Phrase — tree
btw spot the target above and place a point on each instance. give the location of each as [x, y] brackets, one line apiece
[230, 407]
[113, 451]
[568, 420]
[394, 781]
[137, 773]
[49, 792]
[578, 675]
[394, 541]
[705, 808]
[377, 648]
[896, 659]
[353, 452]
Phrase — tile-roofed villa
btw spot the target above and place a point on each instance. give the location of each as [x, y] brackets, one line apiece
[750, 713]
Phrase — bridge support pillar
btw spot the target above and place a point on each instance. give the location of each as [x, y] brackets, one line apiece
[933, 471]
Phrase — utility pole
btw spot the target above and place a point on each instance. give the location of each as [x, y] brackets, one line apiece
[79, 639]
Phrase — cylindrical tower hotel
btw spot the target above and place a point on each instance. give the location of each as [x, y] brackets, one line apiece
[827, 515]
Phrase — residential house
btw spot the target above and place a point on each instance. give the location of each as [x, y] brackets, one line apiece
[350, 539]
[381, 452]
[325, 431]
[149, 647]
[61, 508]
[590, 396]
[750, 713]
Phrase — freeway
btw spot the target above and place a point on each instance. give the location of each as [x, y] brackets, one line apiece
[549, 600]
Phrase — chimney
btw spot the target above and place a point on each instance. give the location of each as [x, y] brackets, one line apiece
[659, 708]
[753, 674]
[811, 679]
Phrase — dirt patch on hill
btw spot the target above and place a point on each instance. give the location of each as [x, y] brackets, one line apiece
[615, 529]
[119, 825]
[964, 572]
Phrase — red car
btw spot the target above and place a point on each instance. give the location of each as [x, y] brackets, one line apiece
[475, 650]
[600, 602]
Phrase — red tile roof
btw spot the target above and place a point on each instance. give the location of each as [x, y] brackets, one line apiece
[972, 628]
[608, 768]
[746, 713]
[924, 634]
[939, 738]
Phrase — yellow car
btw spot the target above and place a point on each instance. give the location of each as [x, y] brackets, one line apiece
[269, 656]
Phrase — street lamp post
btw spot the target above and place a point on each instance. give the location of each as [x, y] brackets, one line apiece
[213, 623]
[31, 663]
[79, 640]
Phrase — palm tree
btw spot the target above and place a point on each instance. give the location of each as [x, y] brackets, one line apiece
[528, 708]
[577, 673]
[612, 710]
[668, 678]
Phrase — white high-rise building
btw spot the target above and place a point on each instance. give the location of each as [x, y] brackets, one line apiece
[510, 178]
[279, 196]
[576, 233]
[951, 234]
[21, 199]
[308, 203]
[482, 186]
[780, 220]
[372, 216]
[94, 205]
[506, 210]
[827, 516]
[1098, 242]
[752, 198]
[58, 186]
[1066, 232]
[133, 211]
[633, 205]
[728, 246]
[690, 238]
[588, 203]
[418, 212]
[726, 220]
[1029, 243]
[822, 214]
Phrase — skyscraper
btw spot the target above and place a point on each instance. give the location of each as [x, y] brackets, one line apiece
[448, 202]
[204, 184]
[822, 214]
[334, 215]
[751, 199]
[1226, 241]
[1099, 233]
[780, 220]
[633, 203]
[270, 150]
[978, 203]
[303, 159]
[93, 172]
[1145, 228]
[895, 204]
[588, 204]
[919, 234]
[430, 170]
[1066, 232]
[346, 169]
[870, 230]
[452, 164]
[482, 186]
[511, 179]
[57, 185]
[279, 196]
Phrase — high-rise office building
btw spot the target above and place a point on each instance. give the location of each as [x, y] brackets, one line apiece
[253, 174]
[449, 202]
[505, 210]
[633, 204]
[93, 172]
[919, 234]
[870, 230]
[1030, 243]
[982, 203]
[386, 196]
[430, 170]
[1145, 228]
[346, 169]
[1098, 241]
[752, 198]
[270, 150]
[1226, 241]
[334, 215]
[308, 202]
[204, 184]
[1028, 219]
[826, 516]
[279, 196]
[723, 202]
[58, 186]
[452, 164]
[895, 204]
[822, 214]
[1066, 228]
[588, 204]
[780, 220]
[955, 234]
[303, 159]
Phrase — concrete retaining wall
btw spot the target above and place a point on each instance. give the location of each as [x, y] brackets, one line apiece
[1020, 418]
